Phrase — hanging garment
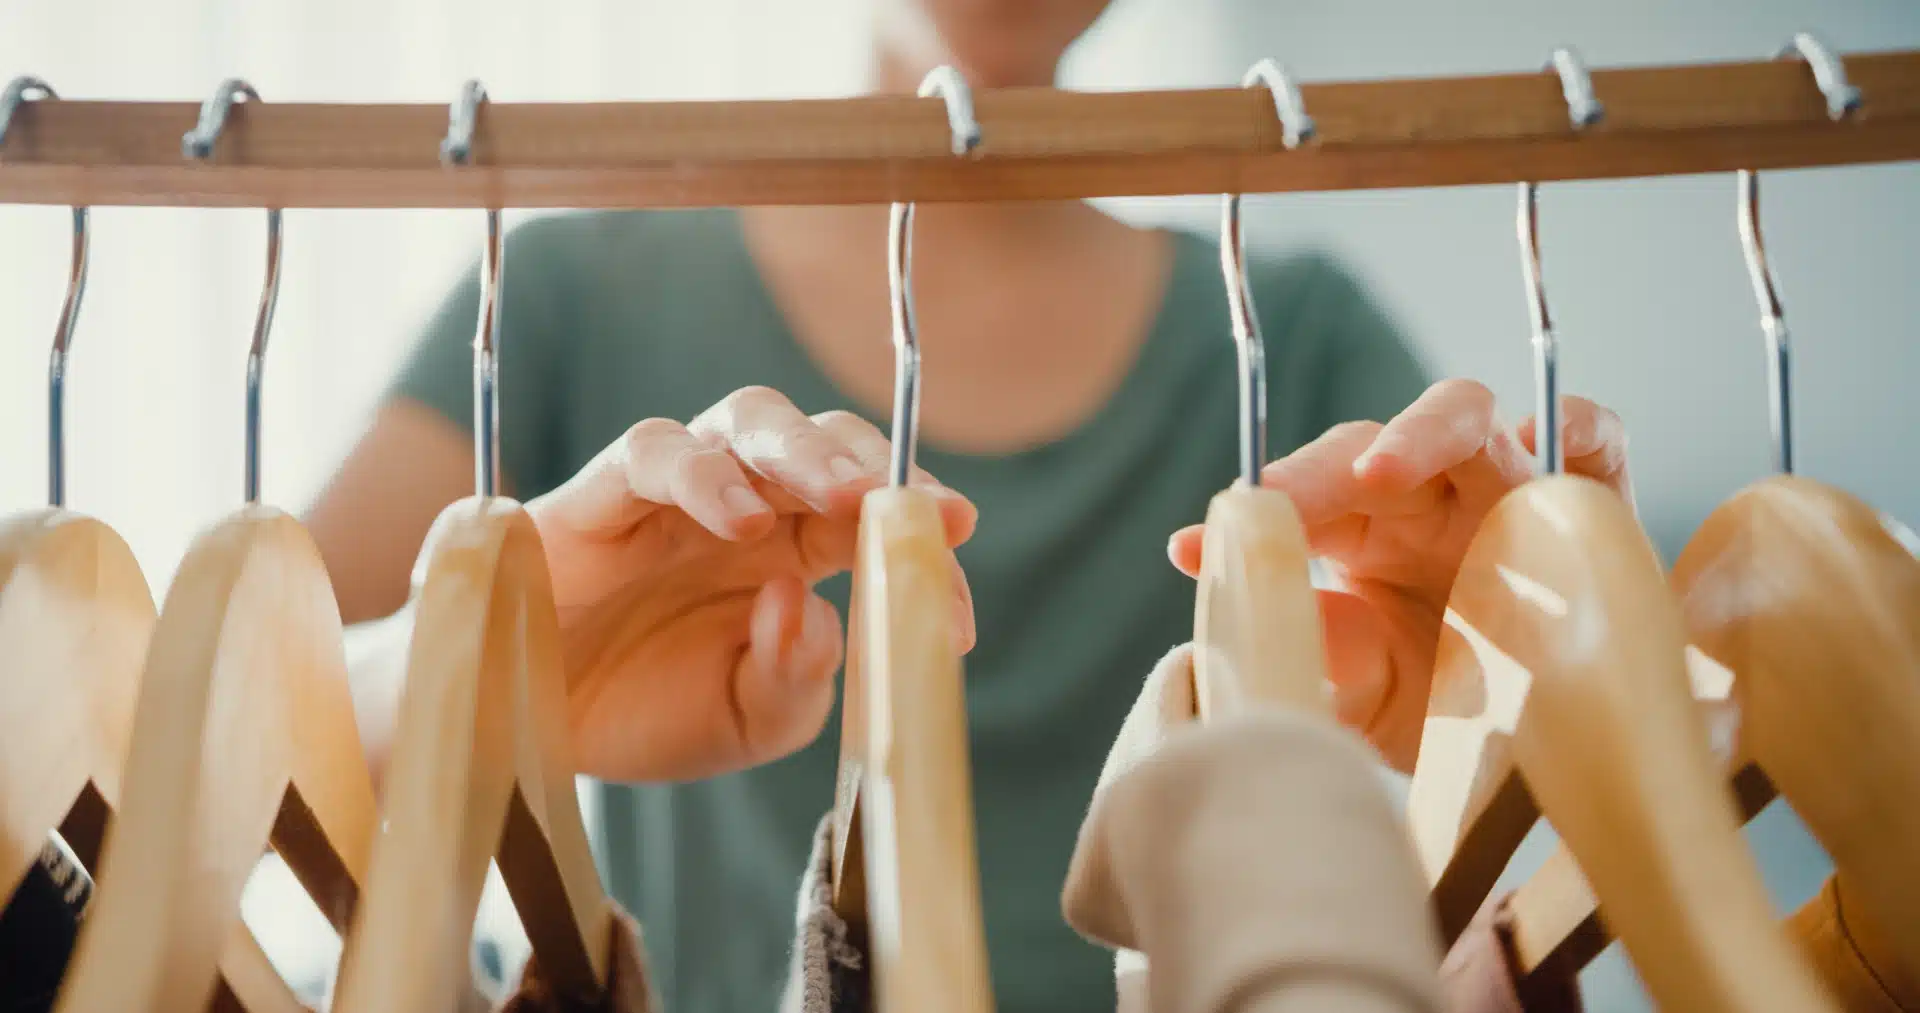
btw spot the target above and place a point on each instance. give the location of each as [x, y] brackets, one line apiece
[1840, 950]
[629, 989]
[38, 928]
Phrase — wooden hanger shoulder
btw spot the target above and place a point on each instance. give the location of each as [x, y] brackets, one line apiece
[922, 875]
[75, 615]
[845, 859]
[1565, 660]
[1256, 626]
[479, 770]
[244, 732]
[1801, 598]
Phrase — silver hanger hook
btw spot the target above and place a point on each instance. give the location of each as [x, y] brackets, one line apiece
[948, 84]
[1297, 127]
[15, 95]
[1773, 322]
[198, 144]
[457, 149]
[1842, 99]
[1828, 73]
[1583, 110]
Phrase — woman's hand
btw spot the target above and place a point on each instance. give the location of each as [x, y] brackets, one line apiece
[1391, 508]
[683, 561]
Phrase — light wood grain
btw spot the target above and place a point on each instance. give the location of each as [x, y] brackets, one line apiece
[926, 933]
[480, 769]
[75, 618]
[244, 732]
[1256, 623]
[1036, 143]
[1799, 593]
[1562, 663]
[846, 860]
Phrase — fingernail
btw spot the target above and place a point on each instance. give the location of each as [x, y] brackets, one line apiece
[845, 470]
[742, 502]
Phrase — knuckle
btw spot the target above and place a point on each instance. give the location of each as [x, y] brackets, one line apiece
[841, 419]
[1354, 429]
[754, 396]
[648, 432]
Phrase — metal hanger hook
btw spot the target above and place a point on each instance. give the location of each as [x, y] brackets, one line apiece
[457, 149]
[198, 144]
[16, 94]
[1773, 322]
[1297, 127]
[948, 84]
[1583, 110]
[1828, 73]
[1842, 99]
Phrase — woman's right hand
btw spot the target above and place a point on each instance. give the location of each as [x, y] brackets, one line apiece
[684, 559]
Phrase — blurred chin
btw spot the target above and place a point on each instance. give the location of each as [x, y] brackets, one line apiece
[993, 43]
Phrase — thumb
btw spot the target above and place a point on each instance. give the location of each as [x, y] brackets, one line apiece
[783, 682]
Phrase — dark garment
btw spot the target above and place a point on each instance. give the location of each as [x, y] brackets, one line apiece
[39, 927]
[629, 989]
[611, 318]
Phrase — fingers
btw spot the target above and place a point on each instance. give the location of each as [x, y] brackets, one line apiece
[657, 463]
[1319, 478]
[1183, 549]
[875, 453]
[963, 605]
[1593, 443]
[1450, 436]
[1446, 425]
[783, 682]
[776, 441]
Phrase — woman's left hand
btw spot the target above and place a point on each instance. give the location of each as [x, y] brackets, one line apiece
[1391, 508]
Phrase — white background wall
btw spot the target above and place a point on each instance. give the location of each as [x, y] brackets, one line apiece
[1654, 313]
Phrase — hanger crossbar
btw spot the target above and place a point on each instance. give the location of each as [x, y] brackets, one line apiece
[1036, 143]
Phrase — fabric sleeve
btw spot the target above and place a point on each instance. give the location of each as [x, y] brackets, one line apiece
[438, 372]
[1360, 363]
[1258, 865]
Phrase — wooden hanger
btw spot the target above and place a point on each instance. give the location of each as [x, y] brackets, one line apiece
[1798, 592]
[243, 735]
[481, 768]
[75, 619]
[1560, 685]
[1804, 597]
[903, 857]
[1256, 621]
[480, 771]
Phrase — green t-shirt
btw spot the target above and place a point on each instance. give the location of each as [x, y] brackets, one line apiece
[610, 318]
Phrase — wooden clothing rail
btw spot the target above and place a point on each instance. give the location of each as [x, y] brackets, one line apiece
[1036, 143]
